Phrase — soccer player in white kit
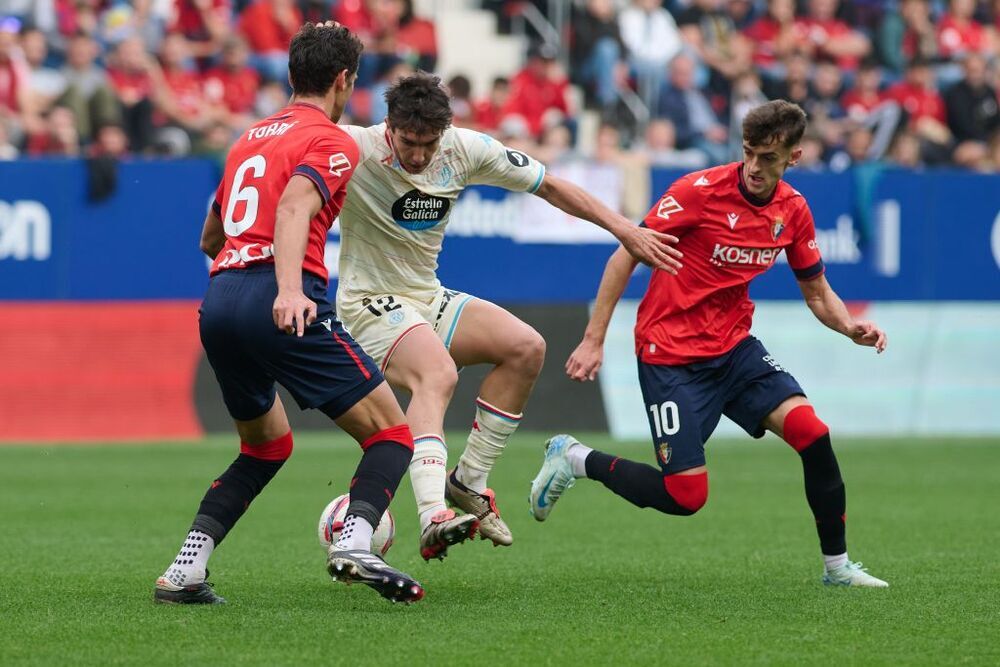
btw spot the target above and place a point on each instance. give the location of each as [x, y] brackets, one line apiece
[411, 170]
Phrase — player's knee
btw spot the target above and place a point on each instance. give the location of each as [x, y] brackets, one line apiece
[279, 449]
[528, 351]
[802, 427]
[690, 492]
[438, 380]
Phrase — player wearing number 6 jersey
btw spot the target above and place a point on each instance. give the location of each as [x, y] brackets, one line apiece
[410, 172]
[266, 318]
[697, 359]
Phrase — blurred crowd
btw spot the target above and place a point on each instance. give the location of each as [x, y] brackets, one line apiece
[909, 82]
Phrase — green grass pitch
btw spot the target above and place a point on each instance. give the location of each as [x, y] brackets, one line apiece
[86, 530]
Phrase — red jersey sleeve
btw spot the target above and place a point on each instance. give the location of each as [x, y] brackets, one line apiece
[329, 163]
[678, 210]
[803, 254]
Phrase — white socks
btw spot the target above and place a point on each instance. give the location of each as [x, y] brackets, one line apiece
[577, 455]
[428, 470]
[188, 569]
[356, 534]
[489, 435]
[833, 562]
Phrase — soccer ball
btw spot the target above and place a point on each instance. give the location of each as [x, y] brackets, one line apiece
[331, 521]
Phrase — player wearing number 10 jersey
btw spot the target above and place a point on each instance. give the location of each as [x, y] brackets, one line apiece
[696, 357]
[266, 318]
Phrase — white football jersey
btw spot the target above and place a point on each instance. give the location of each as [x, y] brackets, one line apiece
[392, 224]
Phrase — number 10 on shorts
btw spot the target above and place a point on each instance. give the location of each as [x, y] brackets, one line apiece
[666, 418]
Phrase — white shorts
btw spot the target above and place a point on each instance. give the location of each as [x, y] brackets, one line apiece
[378, 322]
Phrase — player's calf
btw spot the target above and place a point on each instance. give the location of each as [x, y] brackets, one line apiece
[226, 500]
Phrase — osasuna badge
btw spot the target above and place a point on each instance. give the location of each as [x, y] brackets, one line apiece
[777, 228]
[664, 450]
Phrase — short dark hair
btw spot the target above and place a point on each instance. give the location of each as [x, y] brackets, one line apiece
[778, 120]
[418, 103]
[318, 54]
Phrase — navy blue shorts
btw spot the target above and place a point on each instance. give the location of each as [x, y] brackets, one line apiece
[325, 368]
[684, 403]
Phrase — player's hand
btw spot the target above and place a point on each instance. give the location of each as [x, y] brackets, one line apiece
[866, 333]
[585, 361]
[293, 312]
[652, 248]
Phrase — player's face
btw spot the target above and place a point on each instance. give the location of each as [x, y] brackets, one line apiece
[764, 165]
[414, 150]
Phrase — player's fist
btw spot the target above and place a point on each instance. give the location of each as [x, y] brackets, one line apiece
[866, 333]
[293, 312]
[653, 248]
[585, 361]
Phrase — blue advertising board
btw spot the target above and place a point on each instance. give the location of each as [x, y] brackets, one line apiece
[887, 235]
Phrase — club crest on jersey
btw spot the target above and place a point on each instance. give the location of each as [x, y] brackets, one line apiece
[663, 451]
[777, 228]
[417, 211]
[667, 206]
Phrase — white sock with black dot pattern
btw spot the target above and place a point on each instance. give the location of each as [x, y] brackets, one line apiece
[188, 569]
[356, 534]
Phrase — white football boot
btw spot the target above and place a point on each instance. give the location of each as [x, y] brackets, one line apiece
[852, 574]
[481, 505]
[554, 478]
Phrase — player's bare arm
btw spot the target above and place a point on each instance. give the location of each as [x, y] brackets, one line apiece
[213, 236]
[831, 311]
[299, 203]
[647, 246]
[588, 356]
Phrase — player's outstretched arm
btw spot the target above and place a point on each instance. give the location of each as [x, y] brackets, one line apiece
[586, 359]
[299, 204]
[645, 245]
[831, 311]
[213, 236]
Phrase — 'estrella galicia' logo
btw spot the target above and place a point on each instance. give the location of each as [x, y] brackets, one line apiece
[418, 210]
[517, 158]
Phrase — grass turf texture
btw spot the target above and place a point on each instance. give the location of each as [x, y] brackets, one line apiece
[86, 530]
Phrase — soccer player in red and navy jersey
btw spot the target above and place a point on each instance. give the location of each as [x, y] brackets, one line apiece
[266, 318]
[696, 357]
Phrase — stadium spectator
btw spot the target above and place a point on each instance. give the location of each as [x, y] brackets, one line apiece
[395, 68]
[76, 16]
[866, 94]
[268, 26]
[233, 84]
[813, 151]
[405, 35]
[17, 108]
[556, 146]
[856, 150]
[973, 113]
[652, 39]
[689, 110]
[488, 110]
[906, 34]
[659, 148]
[906, 151]
[747, 94]
[8, 151]
[205, 24]
[181, 102]
[538, 97]
[959, 33]
[135, 77]
[137, 18]
[88, 93]
[827, 36]
[775, 37]
[57, 135]
[794, 85]
[460, 92]
[826, 116]
[918, 96]
[709, 31]
[109, 141]
[45, 84]
[596, 54]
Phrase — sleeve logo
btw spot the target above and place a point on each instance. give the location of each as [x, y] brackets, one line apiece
[517, 158]
[667, 206]
[339, 164]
